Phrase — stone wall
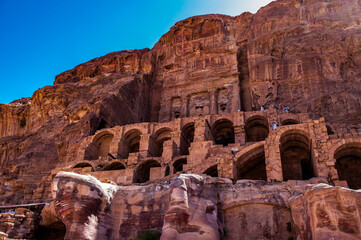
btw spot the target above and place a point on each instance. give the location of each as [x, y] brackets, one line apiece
[20, 224]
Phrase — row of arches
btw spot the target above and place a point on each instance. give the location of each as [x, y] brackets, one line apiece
[296, 159]
[256, 129]
[110, 167]
[142, 173]
[297, 162]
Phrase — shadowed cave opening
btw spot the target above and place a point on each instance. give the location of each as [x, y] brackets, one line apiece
[289, 122]
[100, 146]
[178, 165]
[256, 129]
[252, 165]
[161, 136]
[223, 132]
[212, 171]
[114, 166]
[84, 165]
[142, 174]
[187, 137]
[129, 143]
[348, 165]
[296, 159]
[56, 231]
[329, 130]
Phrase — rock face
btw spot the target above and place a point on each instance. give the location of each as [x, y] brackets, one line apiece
[300, 54]
[192, 212]
[270, 99]
[83, 205]
[308, 58]
[201, 207]
[21, 224]
[332, 213]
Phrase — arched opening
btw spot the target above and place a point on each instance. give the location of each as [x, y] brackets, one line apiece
[129, 143]
[114, 166]
[256, 129]
[252, 165]
[329, 130]
[100, 146]
[176, 114]
[212, 171]
[178, 165]
[187, 137]
[223, 132]
[348, 164]
[161, 136]
[84, 165]
[296, 156]
[142, 173]
[289, 122]
[188, 132]
[102, 124]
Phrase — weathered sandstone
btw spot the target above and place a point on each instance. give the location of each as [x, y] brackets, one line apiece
[205, 99]
[201, 207]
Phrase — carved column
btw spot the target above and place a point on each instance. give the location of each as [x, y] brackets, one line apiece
[184, 106]
[239, 134]
[144, 145]
[273, 158]
[213, 101]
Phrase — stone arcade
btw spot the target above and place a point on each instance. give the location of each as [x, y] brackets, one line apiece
[239, 145]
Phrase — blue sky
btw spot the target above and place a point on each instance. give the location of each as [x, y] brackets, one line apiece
[40, 39]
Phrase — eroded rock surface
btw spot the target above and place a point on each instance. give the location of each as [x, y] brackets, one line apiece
[192, 212]
[200, 207]
[82, 203]
[20, 224]
[331, 212]
[301, 54]
[205, 99]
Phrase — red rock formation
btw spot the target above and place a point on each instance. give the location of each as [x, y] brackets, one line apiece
[304, 54]
[201, 207]
[20, 224]
[192, 210]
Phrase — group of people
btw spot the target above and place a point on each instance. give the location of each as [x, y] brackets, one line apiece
[278, 107]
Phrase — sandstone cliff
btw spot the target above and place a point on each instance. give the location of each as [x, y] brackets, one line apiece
[305, 54]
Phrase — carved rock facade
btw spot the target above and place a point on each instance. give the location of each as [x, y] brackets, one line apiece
[205, 99]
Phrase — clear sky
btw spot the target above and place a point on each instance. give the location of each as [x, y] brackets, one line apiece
[42, 38]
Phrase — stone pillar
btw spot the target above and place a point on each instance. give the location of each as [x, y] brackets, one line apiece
[165, 111]
[235, 98]
[169, 150]
[133, 158]
[156, 173]
[122, 150]
[213, 101]
[273, 158]
[144, 145]
[202, 131]
[114, 145]
[176, 137]
[184, 106]
[239, 134]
